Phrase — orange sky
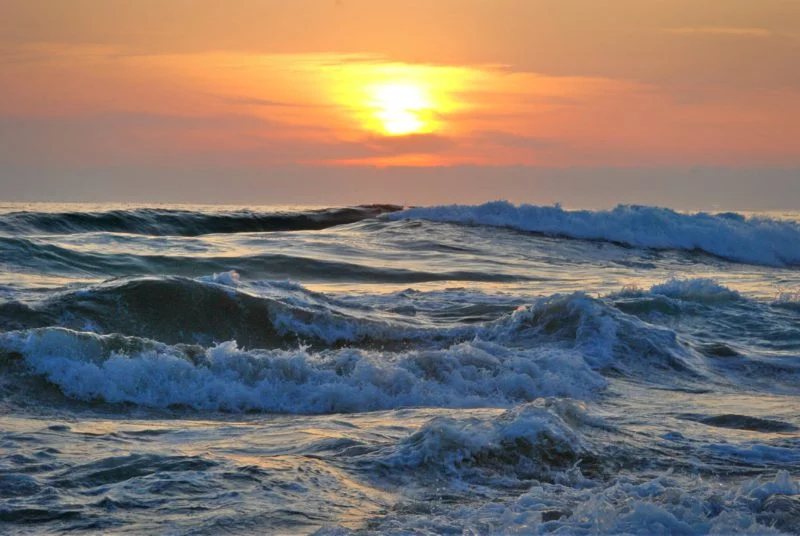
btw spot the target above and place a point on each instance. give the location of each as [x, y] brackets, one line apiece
[269, 84]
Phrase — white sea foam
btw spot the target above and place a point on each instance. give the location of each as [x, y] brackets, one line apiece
[732, 236]
[666, 504]
[87, 366]
[533, 437]
[603, 335]
[230, 278]
[600, 333]
[783, 484]
[703, 290]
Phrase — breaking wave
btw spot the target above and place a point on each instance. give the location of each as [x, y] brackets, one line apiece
[170, 343]
[117, 369]
[218, 343]
[281, 314]
[529, 440]
[731, 236]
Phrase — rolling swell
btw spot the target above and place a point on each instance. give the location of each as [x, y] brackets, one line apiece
[161, 351]
[264, 315]
[213, 309]
[172, 310]
[171, 222]
[33, 254]
[162, 342]
[177, 310]
[729, 236]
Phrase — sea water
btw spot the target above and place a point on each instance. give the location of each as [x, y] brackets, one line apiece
[492, 369]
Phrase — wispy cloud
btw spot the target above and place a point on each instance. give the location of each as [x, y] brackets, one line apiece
[732, 31]
[721, 30]
[268, 103]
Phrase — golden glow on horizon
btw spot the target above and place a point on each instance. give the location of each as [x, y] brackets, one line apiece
[362, 110]
[271, 83]
[401, 107]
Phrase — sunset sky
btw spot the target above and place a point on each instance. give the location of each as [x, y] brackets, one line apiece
[686, 103]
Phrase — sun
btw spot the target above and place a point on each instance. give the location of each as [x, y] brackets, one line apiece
[401, 108]
[374, 99]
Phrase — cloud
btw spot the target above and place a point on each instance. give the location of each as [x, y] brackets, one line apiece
[267, 103]
[413, 144]
[137, 138]
[507, 139]
[133, 137]
[732, 31]
[721, 31]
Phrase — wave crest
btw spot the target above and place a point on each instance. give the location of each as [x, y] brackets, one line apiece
[116, 369]
[730, 236]
[174, 222]
[531, 439]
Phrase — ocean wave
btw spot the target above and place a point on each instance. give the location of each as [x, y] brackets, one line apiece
[697, 290]
[731, 236]
[787, 300]
[117, 369]
[283, 314]
[173, 222]
[529, 441]
[622, 335]
[37, 255]
[609, 339]
[214, 309]
[664, 504]
[561, 346]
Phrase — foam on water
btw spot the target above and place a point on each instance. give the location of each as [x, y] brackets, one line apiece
[512, 389]
[731, 236]
[665, 504]
[270, 319]
[702, 290]
[605, 336]
[118, 369]
[221, 306]
[530, 440]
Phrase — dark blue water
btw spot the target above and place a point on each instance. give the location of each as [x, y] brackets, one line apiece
[459, 370]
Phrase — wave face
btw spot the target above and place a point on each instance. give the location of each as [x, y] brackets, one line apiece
[190, 370]
[173, 342]
[728, 235]
[174, 222]
[116, 369]
[24, 254]
[534, 439]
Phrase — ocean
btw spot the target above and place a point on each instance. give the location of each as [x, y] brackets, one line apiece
[491, 369]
